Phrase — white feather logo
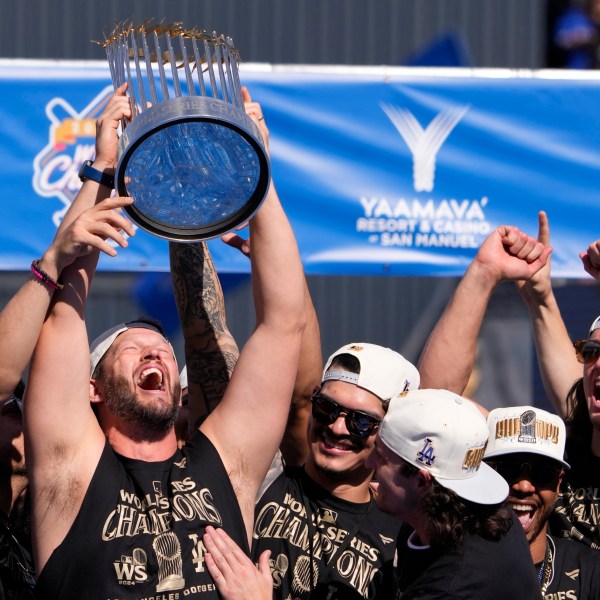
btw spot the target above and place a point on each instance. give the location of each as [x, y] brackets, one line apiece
[424, 144]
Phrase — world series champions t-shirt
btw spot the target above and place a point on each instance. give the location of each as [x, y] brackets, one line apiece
[573, 571]
[323, 546]
[577, 509]
[138, 534]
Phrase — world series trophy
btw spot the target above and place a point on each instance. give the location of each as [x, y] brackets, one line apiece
[193, 160]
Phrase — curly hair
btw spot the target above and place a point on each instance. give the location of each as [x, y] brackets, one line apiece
[448, 518]
[579, 426]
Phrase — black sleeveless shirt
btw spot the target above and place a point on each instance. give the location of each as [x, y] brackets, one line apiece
[139, 532]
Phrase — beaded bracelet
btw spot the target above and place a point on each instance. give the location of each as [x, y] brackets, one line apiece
[44, 277]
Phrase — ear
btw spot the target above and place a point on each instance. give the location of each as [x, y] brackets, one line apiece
[424, 481]
[95, 391]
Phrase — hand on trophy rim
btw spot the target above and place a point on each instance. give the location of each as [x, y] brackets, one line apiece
[107, 124]
[237, 241]
[100, 227]
[254, 111]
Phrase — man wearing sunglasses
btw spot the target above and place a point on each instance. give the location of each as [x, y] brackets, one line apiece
[577, 511]
[326, 536]
[526, 446]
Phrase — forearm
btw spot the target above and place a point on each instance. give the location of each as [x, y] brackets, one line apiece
[294, 445]
[450, 352]
[22, 318]
[20, 324]
[277, 274]
[57, 413]
[557, 361]
[249, 423]
[210, 350]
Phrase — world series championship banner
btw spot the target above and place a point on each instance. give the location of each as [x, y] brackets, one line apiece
[387, 171]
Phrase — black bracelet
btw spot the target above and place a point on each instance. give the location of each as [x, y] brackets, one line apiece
[44, 277]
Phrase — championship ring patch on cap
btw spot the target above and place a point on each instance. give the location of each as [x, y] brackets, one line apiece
[526, 429]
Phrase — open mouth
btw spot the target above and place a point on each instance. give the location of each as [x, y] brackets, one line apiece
[151, 379]
[338, 444]
[594, 397]
[525, 514]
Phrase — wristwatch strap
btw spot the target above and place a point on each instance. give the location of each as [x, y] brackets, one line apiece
[88, 172]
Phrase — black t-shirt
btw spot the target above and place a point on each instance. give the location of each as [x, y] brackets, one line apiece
[17, 576]
[577, 510]
[573, 571]
[346, 551]
[477, 569]
[138, 534]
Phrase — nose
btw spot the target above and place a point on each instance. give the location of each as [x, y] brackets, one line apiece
[151, 352]
[339, 425]
[523, 486]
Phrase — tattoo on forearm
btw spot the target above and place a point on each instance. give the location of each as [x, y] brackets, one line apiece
[211, 351]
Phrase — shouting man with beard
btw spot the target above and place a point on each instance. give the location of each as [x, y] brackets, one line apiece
[326, 536]
[119, 510]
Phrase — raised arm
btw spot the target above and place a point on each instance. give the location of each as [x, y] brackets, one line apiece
[248, 424]
[20, 324]
[449, 354]
[22, 317]
[294, 445]
[555, 354]
[211, 351]
[63, 438]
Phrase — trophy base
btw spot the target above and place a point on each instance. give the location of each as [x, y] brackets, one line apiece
[196, 167]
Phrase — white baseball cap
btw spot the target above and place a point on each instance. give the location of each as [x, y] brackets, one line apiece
[383, 371]
[526, 429]
[99, 347]
[446, 435]
[183, 378]
[595, 325]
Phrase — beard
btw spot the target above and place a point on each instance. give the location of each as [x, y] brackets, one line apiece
[152, 421]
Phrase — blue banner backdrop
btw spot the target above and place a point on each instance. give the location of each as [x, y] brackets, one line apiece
[381, 170]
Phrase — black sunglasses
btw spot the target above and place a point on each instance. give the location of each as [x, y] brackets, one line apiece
[588, 351]
[357, 422]
[539, 473]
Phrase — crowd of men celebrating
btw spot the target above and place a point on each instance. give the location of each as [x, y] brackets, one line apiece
[259, 473]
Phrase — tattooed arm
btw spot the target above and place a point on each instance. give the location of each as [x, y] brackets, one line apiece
[210, 350]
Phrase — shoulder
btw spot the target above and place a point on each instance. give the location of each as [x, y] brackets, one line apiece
[571, 552]
[575, 567]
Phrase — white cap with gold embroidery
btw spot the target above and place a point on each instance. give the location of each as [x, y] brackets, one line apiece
[445, 434]
[383, 371]
[526, 429]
